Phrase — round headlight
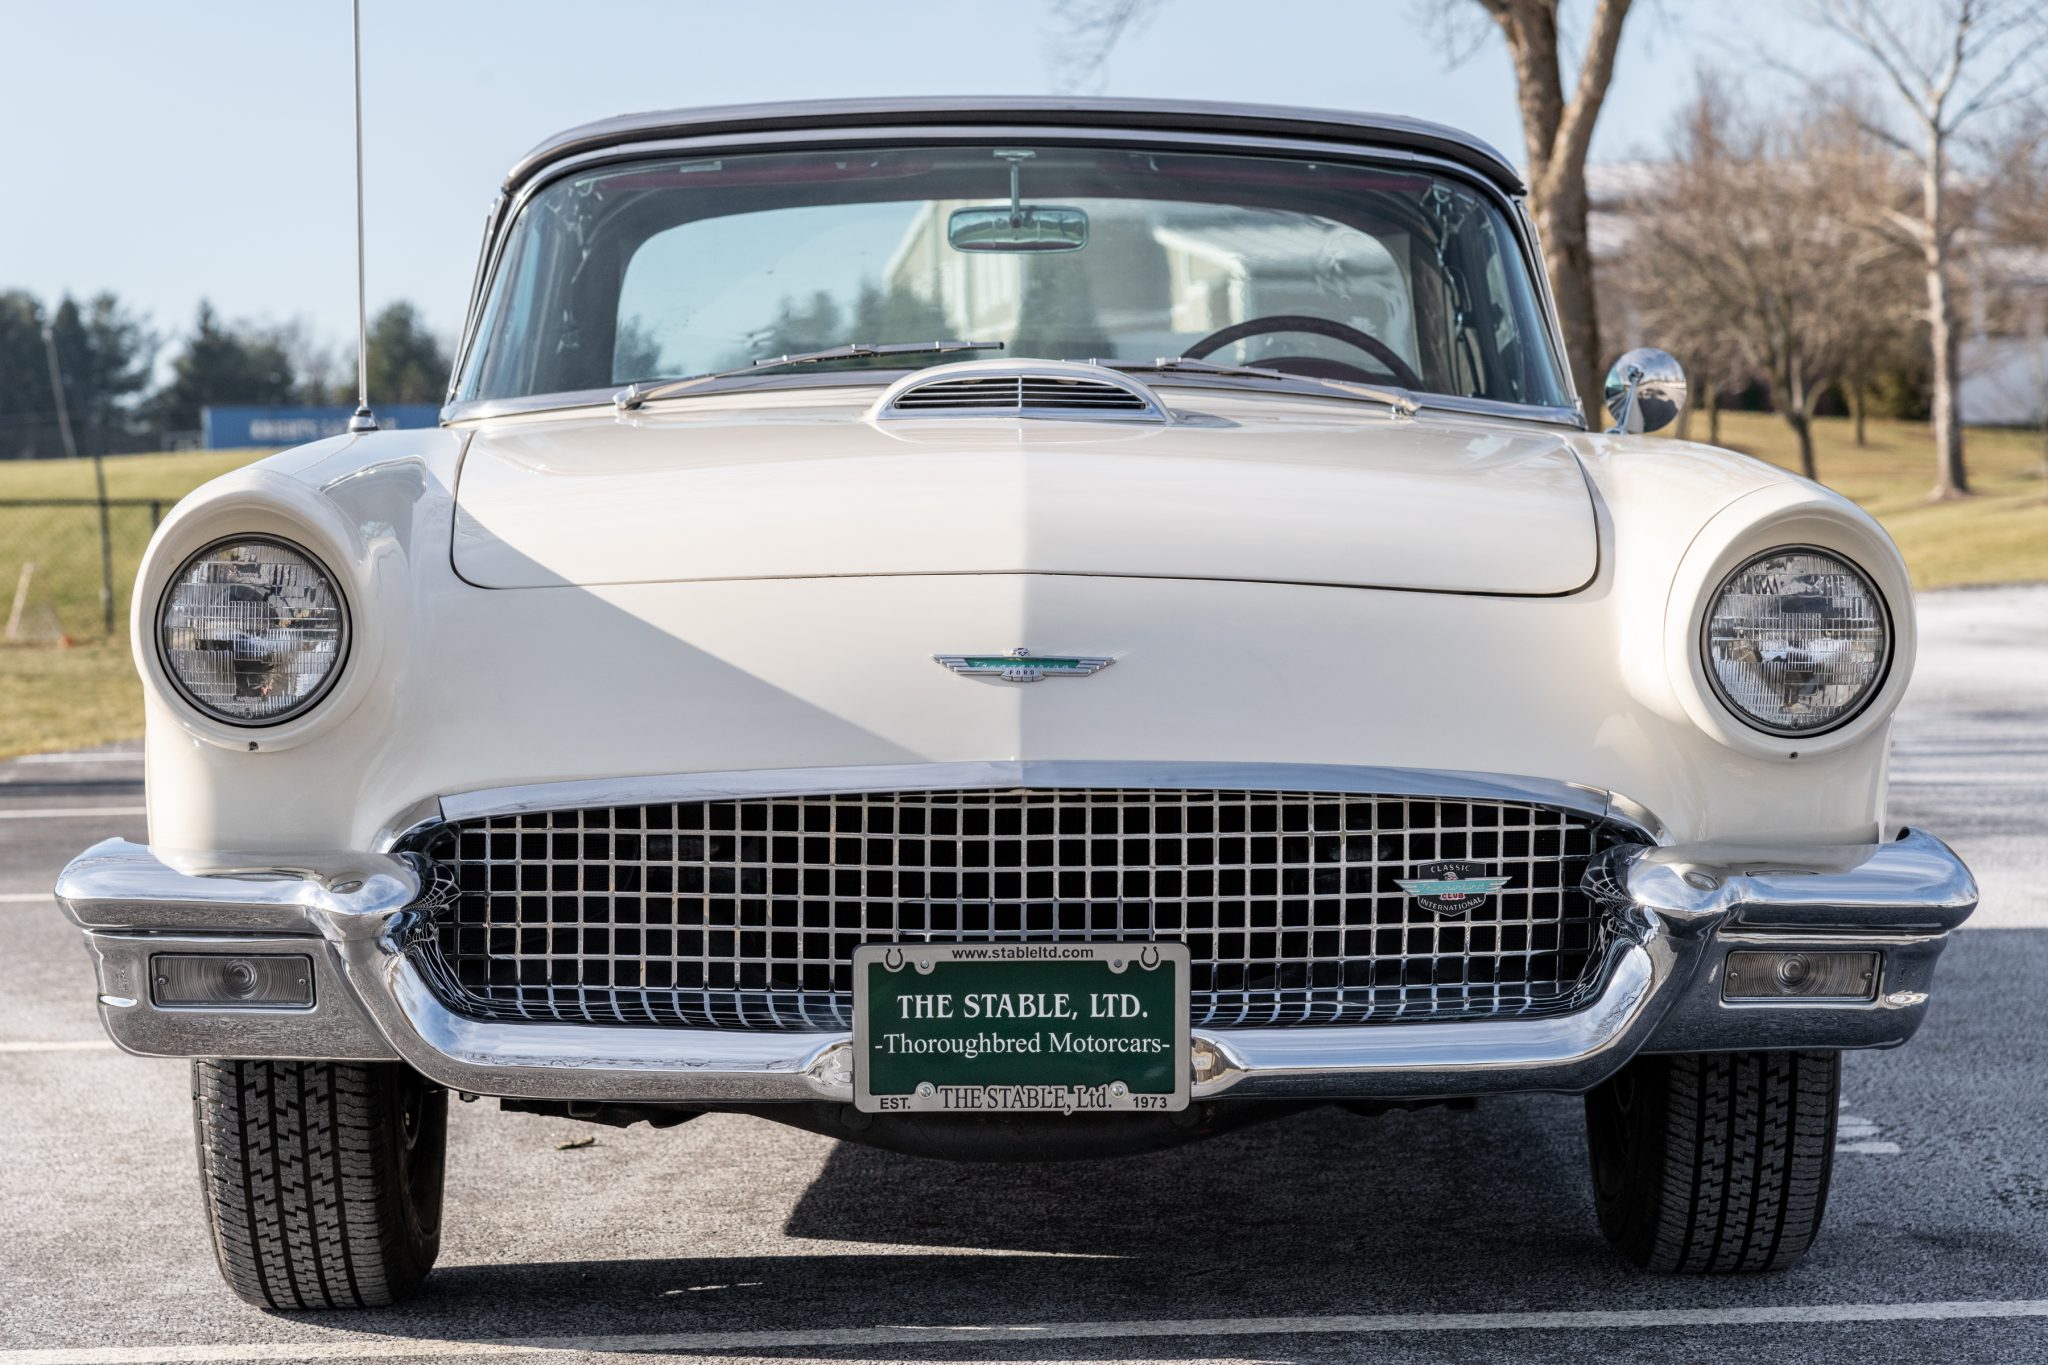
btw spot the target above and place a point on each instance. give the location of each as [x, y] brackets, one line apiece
[1797, 641]
[252, 630]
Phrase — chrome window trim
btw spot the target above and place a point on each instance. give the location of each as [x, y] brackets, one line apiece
[483, 409]
[1011, 774]
[1479, 407]
[1201, 117]
[505, 214]
[1532, 249]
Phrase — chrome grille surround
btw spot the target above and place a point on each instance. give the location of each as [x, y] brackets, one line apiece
[744, 912]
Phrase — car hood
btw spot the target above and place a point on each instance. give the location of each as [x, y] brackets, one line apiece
[1260, 489]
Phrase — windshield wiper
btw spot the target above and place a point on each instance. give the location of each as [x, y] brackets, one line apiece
[1399, 402]
[634, 395]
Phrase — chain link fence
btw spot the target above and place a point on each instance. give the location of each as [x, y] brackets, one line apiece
[41, 436]
[67, 565]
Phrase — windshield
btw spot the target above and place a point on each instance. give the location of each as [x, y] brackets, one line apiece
[657, 269]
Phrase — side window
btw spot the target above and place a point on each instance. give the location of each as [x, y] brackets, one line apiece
[505, 365]
[1513, 378]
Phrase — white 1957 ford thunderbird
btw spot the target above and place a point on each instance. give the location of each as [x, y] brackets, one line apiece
[1013, 629]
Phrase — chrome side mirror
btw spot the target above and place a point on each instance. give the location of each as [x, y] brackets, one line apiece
[1645, 391]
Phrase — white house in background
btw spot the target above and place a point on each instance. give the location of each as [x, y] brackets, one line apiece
[2005, 355]
[2005, 380]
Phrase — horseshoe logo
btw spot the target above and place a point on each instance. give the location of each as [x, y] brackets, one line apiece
[893, 959]
[1149, 957]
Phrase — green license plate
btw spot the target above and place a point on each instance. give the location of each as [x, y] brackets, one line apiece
[1004, 1028]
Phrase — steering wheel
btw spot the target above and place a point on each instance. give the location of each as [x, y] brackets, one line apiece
[1403, 373]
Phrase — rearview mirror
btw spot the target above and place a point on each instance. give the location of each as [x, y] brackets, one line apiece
[1645, 392]
[1023, 227]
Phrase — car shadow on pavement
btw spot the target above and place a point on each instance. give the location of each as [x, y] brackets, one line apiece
[1311, 1184]
[1320, 1212]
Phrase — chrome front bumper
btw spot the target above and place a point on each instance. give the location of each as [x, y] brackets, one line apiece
[1681, 916]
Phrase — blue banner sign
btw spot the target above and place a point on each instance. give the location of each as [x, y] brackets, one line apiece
[237, 428]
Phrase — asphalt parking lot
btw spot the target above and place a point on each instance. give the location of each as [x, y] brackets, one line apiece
[1428, 1236]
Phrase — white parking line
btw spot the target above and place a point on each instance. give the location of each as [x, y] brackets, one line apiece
[73, 1045]
[25, 897]
[1856, 1136]
[64, 812]
[385, 1348]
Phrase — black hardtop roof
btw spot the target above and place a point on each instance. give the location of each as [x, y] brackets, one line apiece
[1193, 117]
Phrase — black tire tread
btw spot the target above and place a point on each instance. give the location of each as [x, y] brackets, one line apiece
[301, 1183]
[1729, 1160]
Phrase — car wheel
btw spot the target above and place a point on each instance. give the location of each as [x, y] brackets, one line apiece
[1714, 1162]
[322, 1180]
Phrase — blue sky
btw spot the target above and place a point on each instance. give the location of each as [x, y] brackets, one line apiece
[169, 151]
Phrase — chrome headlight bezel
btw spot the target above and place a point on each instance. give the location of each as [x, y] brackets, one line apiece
[1872, 689]
[343, 646]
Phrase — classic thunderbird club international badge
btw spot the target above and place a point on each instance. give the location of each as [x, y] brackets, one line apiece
[1022, 666]
[1450, 888]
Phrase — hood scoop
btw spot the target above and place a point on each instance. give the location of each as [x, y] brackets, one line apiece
[1046, 390]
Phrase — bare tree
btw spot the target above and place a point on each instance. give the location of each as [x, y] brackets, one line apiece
[2014, 220]
[1712, 357]
[315, 362]
[1084, 33]
[1949, 62]
[1786, 272]
[2015, 204]
[1877, 343]
[1557, 133]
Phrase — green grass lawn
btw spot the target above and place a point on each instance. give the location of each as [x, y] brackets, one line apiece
[1998, 536]
[128, 476]
[67, 698]
[54, 697]
[63, 543]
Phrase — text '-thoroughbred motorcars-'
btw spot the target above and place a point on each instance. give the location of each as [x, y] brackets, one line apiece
[1024, 629]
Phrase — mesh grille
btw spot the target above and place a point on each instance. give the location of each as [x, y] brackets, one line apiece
[745, 913]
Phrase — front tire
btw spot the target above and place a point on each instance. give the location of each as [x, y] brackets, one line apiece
[1714, 1162]
[322, 1180]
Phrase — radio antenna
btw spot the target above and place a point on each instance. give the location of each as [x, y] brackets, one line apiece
[364, 419]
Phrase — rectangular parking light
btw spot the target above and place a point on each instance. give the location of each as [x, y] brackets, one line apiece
[269, 981]
[1800, 976]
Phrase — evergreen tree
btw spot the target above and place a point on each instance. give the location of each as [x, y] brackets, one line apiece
[106, 354]
[407, 364]
[223, 364]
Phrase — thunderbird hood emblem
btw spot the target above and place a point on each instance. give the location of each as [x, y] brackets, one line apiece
[1022, 666]
[1450, 888]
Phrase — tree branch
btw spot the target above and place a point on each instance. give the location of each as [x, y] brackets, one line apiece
[1883, 47]
[1984, 99]
[1530, 28]
[1575, 128]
